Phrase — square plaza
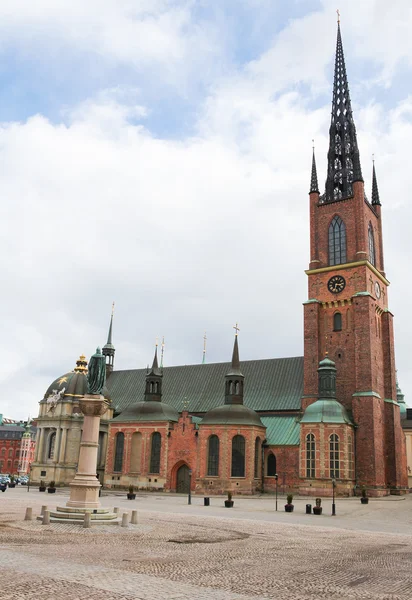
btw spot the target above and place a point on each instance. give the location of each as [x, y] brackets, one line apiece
[182, 551]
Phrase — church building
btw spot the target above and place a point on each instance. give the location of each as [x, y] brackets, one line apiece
[303, 424]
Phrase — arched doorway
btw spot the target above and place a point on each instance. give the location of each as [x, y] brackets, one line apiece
[182, 480]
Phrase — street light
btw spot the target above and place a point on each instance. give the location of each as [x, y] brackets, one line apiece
[189, 499]
[276, 480]
[333, 498]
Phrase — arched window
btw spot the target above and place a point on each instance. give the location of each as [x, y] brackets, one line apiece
[136, 452]
[271, 466]
[11, 453]
[52, 443]
[372, 258]
[310, 455]
[257, 457]
[155, 452]
[334, 456]
[337, 242]
[213, 456]
[3, 451]
[351, 466]
[1, 466]
[118, 452]
[337, 322]
[238, 456]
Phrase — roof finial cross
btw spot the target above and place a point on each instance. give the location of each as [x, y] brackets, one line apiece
[112, 308]
[236, 328]
[204, 349]
[338, 13]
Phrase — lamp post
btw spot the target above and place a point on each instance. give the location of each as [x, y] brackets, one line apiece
[189, 499]
[333, 498]
[276, 481]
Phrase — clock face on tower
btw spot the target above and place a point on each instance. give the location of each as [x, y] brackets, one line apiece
[377, 290]
[336, 284]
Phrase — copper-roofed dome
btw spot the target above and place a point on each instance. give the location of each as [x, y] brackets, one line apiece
[232, 414]
[149, 411]
[73, 384]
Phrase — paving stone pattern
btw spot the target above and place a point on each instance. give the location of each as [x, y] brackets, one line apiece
[192, 556]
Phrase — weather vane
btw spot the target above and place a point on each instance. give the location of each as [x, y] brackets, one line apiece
[338, 13]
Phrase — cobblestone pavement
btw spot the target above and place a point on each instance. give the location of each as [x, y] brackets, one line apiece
[187, 552]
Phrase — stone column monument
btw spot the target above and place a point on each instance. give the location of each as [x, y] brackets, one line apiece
[83, 503]
[84, 489]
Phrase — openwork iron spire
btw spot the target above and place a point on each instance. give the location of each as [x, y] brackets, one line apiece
[314, 187]
[343, 157]
[375, 192]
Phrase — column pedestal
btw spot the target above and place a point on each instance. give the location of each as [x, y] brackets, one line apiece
[84, 489]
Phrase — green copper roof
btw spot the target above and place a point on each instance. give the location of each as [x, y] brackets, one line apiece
[326, 411]
[148, 411]
[270, 384]
[196, 420]
[281, 431]
[231, 414]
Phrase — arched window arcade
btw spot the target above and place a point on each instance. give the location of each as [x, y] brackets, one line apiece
[213, 456]
[334, 466]
[310, 455]
[118, 452]
[136, 452]
[155, 452]
[238, 456]
[371, 240]
[271, 465]
[258, 447]
[337, 241]
[337, 321]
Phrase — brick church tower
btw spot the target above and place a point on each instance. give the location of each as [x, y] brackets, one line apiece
[346, 315]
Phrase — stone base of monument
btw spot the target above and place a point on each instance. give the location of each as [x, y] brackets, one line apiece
[84, 492]
[98, 516]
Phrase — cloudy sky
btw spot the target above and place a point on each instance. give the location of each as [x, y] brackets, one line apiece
[157, 153]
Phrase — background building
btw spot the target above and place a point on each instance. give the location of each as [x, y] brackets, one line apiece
[17, 444]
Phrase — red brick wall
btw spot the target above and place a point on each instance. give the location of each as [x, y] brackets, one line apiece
[183, 448]
[8, 452]
[225, 482]
[287, 467]
[158, 480]
[182, 444]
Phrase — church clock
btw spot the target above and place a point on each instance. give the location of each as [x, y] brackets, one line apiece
[336, 284]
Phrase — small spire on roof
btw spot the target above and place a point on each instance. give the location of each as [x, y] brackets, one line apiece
[204, 349]
[314, 186]
[162, 352]
[375, 192]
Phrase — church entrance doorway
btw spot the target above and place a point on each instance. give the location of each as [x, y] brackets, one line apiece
[182, 480]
